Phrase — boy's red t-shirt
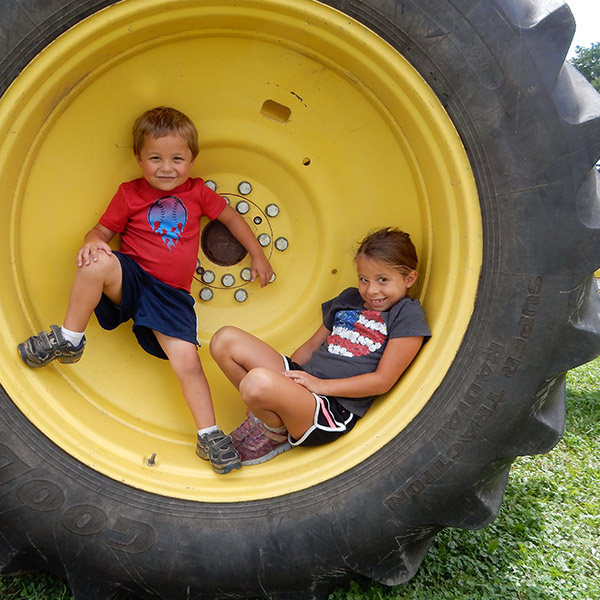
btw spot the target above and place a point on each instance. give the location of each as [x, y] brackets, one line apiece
[161, 230]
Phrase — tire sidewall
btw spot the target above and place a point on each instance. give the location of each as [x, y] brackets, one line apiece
[477, 420]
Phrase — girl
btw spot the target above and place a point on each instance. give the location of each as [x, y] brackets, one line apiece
[368, 337]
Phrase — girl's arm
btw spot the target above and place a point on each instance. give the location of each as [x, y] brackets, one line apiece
[398, 354]
[302, 354]
[260, 266]
[96, 240]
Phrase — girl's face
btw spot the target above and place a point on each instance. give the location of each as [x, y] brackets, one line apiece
[165, 161]
[380, 285]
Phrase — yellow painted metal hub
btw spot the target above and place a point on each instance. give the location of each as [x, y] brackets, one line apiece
[324, 120]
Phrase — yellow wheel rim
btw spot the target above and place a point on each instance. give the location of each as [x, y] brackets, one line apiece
[323, 120]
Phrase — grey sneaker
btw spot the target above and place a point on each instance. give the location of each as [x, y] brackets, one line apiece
[43, 348]
[217, 448]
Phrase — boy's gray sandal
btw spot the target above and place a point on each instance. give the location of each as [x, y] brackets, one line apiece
[217, 448]
[43, 348]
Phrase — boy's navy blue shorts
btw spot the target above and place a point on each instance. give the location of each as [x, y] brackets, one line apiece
[330, 421]
[153, 305]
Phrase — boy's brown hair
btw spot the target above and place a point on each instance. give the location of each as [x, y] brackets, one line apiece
[162, 121]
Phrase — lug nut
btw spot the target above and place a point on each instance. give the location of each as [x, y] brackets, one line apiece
[211, 184]
[246, 274]
[272, 210]
[241, 295]
[206, 294]
[264, 239]
[242, 207]
[281, 244]
[244, 188]
[228, 280]
[208, 277]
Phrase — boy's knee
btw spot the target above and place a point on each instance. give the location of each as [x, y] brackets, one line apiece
[101, 268]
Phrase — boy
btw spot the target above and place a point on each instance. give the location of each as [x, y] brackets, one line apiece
[148, 280]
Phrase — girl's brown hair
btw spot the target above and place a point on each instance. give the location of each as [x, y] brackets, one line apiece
[160, 122]
[391, 246]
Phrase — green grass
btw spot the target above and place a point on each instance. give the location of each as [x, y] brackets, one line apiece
[544, 545]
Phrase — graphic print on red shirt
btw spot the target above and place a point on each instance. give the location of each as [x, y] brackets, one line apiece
[168, 218]
[161, 231]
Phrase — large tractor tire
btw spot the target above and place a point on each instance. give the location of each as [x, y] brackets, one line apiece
[456, 120]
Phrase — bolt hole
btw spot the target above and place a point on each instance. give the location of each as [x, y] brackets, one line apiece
[306, 161]
[275, 111]
[333, 271]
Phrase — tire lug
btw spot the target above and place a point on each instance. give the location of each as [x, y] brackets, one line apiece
[242, 207]
[206, 294]
[281, 244]
[245, 188]
[264, 239]
[228, 280]
[272, 210]
[241, 295]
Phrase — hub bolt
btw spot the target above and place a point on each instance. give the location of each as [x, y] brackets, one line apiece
[244, 188]
[206, 294]
[208, 276]
[228, 280]
[281, 244]
[264, 239]
[241, 295]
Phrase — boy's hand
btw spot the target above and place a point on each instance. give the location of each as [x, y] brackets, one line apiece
[88, 253]
[96, 240]
[261, 267]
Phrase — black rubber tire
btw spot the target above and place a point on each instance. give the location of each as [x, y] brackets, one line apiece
[531, 129]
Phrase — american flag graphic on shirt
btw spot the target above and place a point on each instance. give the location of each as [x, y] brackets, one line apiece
[357, 333]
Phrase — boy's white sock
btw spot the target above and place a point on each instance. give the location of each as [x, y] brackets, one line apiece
[74, 337]
[208, 430]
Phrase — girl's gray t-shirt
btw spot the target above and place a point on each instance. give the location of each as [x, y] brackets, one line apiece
[359, 337]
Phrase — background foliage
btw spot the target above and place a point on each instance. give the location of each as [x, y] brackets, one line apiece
[587, 61]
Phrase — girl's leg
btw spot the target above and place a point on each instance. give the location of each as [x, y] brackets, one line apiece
[186, 364]
[90, 282]
[237, 352]
[255, 368]
[276, 400]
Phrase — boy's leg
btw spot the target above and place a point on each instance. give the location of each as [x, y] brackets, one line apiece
[103, 275]
[237, 352]
[90, 282]
[213, 445]
[186, 364]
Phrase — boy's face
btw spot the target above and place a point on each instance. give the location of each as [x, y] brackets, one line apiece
[165, 161]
